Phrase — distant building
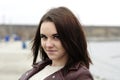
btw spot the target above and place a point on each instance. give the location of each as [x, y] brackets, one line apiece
[23, 31]
[92, 32]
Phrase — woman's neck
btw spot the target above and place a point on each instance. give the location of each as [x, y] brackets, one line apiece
[54, 63]
[61, 62]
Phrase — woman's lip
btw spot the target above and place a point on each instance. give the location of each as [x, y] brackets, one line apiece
[51, 51]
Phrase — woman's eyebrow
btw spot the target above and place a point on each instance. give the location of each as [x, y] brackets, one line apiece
[56, 34]
[42, 35]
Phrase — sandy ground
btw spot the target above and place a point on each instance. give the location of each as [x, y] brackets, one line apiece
[13, 60]
[13, 65]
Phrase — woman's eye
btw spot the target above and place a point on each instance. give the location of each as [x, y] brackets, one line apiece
[43, 36]
[56, 36]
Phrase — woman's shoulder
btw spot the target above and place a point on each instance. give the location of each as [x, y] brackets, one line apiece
[35, 68]
[80, 72]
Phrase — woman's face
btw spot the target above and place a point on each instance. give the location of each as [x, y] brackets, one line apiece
[51, 43]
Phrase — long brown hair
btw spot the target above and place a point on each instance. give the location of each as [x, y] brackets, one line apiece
[71, 35]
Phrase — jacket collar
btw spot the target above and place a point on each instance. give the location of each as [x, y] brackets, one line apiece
[42, 64]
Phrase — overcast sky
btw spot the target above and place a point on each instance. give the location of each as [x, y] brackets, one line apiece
[89, 12]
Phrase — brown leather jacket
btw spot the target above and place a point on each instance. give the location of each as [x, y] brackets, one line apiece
[77, 72]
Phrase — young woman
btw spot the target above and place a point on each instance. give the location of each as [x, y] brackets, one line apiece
[63, 48]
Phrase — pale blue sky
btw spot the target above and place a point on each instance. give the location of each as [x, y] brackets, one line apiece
[90, 12]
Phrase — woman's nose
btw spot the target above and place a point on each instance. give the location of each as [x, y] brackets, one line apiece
[49, 43]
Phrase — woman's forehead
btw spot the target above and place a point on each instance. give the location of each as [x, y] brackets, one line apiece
[48, 28]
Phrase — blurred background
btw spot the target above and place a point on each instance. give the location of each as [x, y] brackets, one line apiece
[19, 20]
